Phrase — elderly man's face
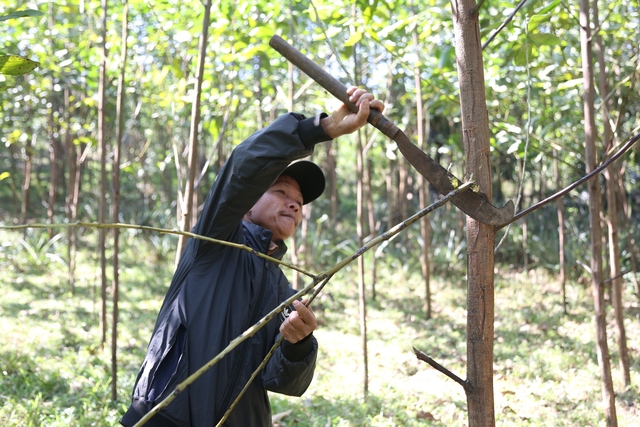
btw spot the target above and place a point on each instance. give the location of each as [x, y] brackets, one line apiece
[279, 209]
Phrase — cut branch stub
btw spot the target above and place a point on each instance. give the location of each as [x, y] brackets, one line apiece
[421, 356]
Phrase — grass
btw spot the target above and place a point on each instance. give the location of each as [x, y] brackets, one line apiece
[53, 371]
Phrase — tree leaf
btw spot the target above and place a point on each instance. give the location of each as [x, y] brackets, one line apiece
[570, 83]
[550, 7]
[545, 39]
[536, 20]
[355, 38]
[15, 65]
[20, 14]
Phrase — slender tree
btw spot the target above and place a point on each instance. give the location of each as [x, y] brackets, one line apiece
[422, 183]
[54, 143]
[561, 243]
[594, 218]
[71, 201]
[612, 210]
[102, 152]
[187, 205]
[115, 206]
[480, 237]
[295, 278]
[360, 226]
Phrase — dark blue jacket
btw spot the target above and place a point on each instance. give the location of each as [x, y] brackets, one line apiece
[217, 292]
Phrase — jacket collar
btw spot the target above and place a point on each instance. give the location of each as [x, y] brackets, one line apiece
[260, 238]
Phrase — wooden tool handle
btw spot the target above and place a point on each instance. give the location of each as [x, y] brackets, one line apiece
[330, 83]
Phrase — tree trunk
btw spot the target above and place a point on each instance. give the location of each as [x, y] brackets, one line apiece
[612, 217]
[403, 179]
[259, 95]
[360, 226]
[480, 237]
[332, 179]
[422, 183]
[391, 196]
[560, 211]
[26, 184]
[372, 221]
[54, 155]
[115, 211]
[13, 154]
[192, 162]
[102, 150]
[361, 273]
[293, 247]
[525, 245]
[594, 219]
[70, 207]
[54, 144]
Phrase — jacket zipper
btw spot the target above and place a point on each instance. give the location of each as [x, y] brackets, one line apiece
[243, 356]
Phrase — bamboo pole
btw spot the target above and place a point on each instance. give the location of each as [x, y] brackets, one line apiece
[157, 230]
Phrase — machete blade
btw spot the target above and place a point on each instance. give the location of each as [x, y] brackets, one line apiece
[473, 204]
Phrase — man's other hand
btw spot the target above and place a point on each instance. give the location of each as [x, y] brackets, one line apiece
[299, 324]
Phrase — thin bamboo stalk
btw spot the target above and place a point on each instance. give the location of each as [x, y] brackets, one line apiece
[157, 230]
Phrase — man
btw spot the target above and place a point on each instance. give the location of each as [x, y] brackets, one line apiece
[217, 292]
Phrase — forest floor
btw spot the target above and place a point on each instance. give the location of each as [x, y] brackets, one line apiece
[53, 371]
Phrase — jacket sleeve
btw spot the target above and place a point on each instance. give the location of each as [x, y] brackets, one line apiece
[252, 168]
[290, 369]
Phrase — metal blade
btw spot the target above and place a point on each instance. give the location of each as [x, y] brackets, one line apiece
[476, 205]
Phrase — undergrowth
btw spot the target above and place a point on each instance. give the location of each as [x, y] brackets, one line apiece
[54, 372]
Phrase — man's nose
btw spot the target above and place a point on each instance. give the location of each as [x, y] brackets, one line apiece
[293, 205]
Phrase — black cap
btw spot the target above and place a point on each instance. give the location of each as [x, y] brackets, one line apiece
[309, 177]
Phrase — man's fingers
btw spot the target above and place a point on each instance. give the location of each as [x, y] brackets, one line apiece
[303, 312]
[299, 324]
[377, 104]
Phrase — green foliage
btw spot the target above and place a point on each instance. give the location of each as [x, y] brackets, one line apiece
[37, 250]
[15, 65]
[20, 14]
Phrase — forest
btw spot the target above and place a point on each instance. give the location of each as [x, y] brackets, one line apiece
[117, 115]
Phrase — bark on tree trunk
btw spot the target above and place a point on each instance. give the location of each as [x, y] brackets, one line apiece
[54, 144]
[422, 183]
[361, 273]
[115, 211]
[403, 178]
[612, 217]
[332, 179]
[560, 211]
[102, 150]
[54, 155]
[480, 237]
[293, 247]
[70, 207]
[192, 162]
[26, 184]
[259, 95]
[391, 196]
[360, 225]
[13, 153]
[372, 221]
[594, 219]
